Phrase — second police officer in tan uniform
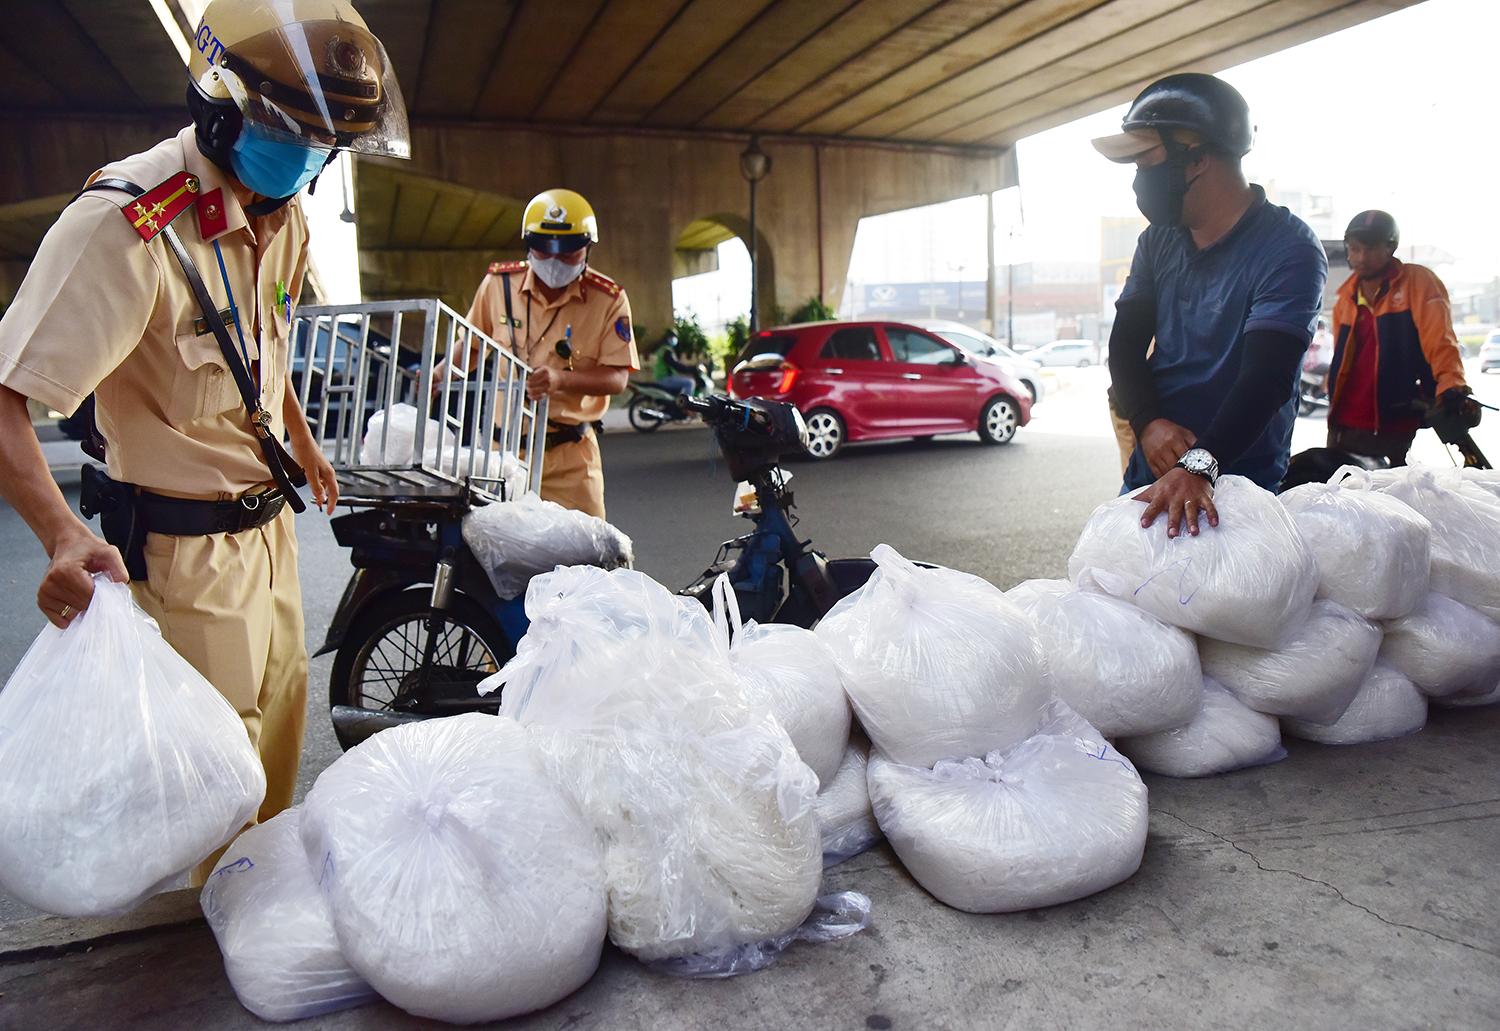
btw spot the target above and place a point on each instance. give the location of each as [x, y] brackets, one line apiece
[107, 308]
[555, 296]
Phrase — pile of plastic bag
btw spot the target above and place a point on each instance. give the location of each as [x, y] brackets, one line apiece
[121, 767]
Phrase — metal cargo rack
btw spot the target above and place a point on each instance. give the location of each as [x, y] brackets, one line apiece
[368, 358]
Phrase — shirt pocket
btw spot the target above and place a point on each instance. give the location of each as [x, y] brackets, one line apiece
[202, 386]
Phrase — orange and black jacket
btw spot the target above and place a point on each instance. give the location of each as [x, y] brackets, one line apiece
[1418, 354]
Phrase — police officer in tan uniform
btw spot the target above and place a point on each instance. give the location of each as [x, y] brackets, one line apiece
[571, 324]
[107, 308]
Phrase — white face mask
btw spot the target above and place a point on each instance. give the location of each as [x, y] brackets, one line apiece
[555, 272]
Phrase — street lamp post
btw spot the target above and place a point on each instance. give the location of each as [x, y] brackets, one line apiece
[754, 165]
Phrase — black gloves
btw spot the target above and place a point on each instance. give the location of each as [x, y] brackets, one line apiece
[1459, 405]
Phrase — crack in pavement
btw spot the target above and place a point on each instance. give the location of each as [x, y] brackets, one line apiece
[1331, 887]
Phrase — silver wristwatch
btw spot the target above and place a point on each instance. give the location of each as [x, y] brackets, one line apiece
[1200, 463]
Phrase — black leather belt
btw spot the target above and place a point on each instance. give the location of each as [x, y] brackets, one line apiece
[185, 517]
[565, 433]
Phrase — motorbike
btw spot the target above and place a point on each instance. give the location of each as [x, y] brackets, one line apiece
[652, 404]
[1310, 393]
[1319, 464]
[420, 625]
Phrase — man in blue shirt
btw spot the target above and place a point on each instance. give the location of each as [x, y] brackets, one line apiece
[1227, 284]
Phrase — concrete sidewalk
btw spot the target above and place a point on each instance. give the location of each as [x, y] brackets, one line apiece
[1342, 888]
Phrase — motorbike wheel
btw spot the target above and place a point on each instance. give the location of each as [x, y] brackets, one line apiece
[379, 665]
[640, 411]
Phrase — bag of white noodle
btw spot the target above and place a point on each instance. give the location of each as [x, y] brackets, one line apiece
[120, 766]
[1225, 735]
[1374, 551]
[1048, 820]
[1248, 580]
[845, 815]
[1465, 534]
[464, 886]
[1116, 665]
[515, 540]
[705, 809]
[393, 442]
[790, 672]
[273, 926]
[1388, 705]
[939, 664]
[1314, 675]
[1445, 647]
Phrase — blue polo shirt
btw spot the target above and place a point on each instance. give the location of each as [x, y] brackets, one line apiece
[1265, 273]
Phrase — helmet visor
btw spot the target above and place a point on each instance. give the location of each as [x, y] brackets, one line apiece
[327, 83]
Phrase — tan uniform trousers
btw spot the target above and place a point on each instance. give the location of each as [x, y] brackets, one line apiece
[573, 476]
[231, 605]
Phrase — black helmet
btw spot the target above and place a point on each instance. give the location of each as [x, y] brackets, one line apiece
[1373, 227]
[1198, 103]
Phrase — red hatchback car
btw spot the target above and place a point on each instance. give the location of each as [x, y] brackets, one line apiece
[875, 380]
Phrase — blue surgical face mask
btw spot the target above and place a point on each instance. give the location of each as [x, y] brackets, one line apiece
[275, 168]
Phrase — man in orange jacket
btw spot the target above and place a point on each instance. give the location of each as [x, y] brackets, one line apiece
[1394, 347]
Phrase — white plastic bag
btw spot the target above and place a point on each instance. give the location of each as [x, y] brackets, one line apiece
[1116, 665]
[273, 926]
[1374, 551]
[463, 884]
[1248, 580]
[1444, 647]
[1225, 735]
[515, 540]
[1314, 675]
[1051, 819]
[705, 809]
[1388, 705]
[832, 917]
[400, 444]
[939, 664]
[790, 672]
[1465, 534]
[120, 766]
[846, 818]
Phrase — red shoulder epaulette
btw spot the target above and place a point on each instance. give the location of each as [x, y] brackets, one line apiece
[153, 210]
[603, 282]
[498, 267]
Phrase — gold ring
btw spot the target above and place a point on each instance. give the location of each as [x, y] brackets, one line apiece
[65, 610]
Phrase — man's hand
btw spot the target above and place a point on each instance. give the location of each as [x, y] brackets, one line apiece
[543, 381]
[1184, 496]
[320, 476]
[1163, 442]
[68, 585]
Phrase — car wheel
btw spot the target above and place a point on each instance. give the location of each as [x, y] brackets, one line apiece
[998, 421]
[1031, 389]
[1084, 363]
[825, 433]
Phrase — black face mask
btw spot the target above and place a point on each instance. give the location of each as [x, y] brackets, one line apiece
[1159, 190]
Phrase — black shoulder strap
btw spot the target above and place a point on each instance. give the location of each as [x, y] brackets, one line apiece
[284, 469]
[510, 319]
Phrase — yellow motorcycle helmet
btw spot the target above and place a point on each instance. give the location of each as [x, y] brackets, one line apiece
[557, 222]
[305, 71]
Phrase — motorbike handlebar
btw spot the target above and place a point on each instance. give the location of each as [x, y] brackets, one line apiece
[717, 410]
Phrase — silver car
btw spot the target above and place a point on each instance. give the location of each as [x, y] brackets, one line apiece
[1489, 352]
[986, 347]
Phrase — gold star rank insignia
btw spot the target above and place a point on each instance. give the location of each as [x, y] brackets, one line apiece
[155, 209]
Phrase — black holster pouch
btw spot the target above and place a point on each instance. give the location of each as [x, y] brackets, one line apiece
[119, 522]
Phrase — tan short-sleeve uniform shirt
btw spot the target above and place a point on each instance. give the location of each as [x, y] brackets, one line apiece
[103, 310]
[593, 305]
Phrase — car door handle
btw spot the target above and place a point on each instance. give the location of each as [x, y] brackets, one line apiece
[911, 375]
[834, 372]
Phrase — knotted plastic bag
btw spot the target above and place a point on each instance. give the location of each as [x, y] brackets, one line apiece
[463, 884]
[790, 672]
[705, 809]
[845, 816]
[1116, 665]
[1314, 675]
[273, 926]
[1048, 820]
[515, 540]
[1248, 580]
[1446, 648]
[1388, 705]
[1465, 534]
[1374, 551]
[1225, 735]
[939, 664]
[120, 766]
